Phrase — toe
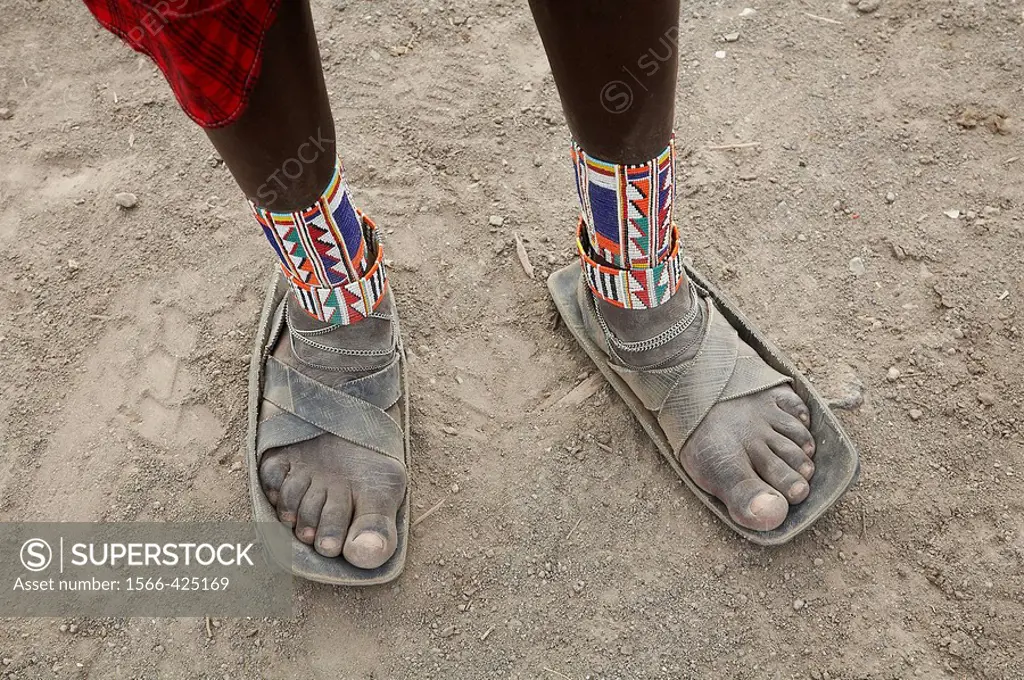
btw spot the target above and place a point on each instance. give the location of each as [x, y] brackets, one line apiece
[292, 491]
[777, 473]
[273, 470]
[373, 536]
[786, 449]
[755, 505]
[333, 527]
[789, 402]
[372, 539]
[309, 513]
[790, 427]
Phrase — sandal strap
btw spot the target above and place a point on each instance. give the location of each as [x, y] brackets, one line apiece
[341, 412]
[356, 411]
[681, 396]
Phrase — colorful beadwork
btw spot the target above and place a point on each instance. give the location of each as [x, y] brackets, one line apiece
[632, 288]
[627, 208]
[629, 247]
[323, 254]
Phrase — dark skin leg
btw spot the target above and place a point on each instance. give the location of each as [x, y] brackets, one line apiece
[338, 497]
[257, 147]
[753, 453]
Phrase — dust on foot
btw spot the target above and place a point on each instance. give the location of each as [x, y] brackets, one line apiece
[338, 497]
[754, 453]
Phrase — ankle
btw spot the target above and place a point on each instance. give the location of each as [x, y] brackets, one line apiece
[347, 350]
[656, 337]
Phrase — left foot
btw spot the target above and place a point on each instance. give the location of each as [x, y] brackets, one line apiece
[753, 452]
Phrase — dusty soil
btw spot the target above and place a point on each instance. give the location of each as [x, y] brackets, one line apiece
[877, 225]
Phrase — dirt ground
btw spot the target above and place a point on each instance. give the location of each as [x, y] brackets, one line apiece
[878, 226]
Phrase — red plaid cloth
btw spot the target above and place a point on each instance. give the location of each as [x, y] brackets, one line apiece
[209, 50]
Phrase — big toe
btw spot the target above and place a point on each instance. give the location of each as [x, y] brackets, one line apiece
[371, 540]
[755, 505]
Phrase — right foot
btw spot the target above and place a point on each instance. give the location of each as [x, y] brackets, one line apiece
[338, 497]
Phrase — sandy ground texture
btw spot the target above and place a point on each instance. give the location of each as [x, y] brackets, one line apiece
[875, 232]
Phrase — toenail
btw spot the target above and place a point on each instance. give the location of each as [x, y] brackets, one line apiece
[798, 489]
[804, 418]
[330, 544]
[761, 504]
[308, 533]
[807, 470]
[369, 540]
[288, 517]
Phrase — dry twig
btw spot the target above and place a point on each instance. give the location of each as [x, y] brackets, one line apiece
[429, 512]
[730, 147]
[524, 259]
[825, 19]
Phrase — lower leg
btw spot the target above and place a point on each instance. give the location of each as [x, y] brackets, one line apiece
[615, 65]
[281, 153]
[619, 109]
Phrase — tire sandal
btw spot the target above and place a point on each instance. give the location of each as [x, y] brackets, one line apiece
[670, 403]
[305, 409]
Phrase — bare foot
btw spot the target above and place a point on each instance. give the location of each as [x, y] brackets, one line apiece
[340, 498]
[754, 453]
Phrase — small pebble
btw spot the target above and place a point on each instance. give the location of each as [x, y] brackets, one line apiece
[496, 220]
[798, 604]
[455, 488]
[857, 266]
[868, 6]
[73, 265]
[731, 37]
[748, 11]
[5, 114]
[915, 414]
[890, 198]
[986, 398]
[720, 54]
[850, 397]
[236, 466]
[126, 200]
[719, 570]
[818, 561]
[893, 374]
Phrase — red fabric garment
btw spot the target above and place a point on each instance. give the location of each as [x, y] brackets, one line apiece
[209, 50]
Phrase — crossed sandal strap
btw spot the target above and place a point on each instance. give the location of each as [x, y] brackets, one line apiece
[355, 412]
[681, 396]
